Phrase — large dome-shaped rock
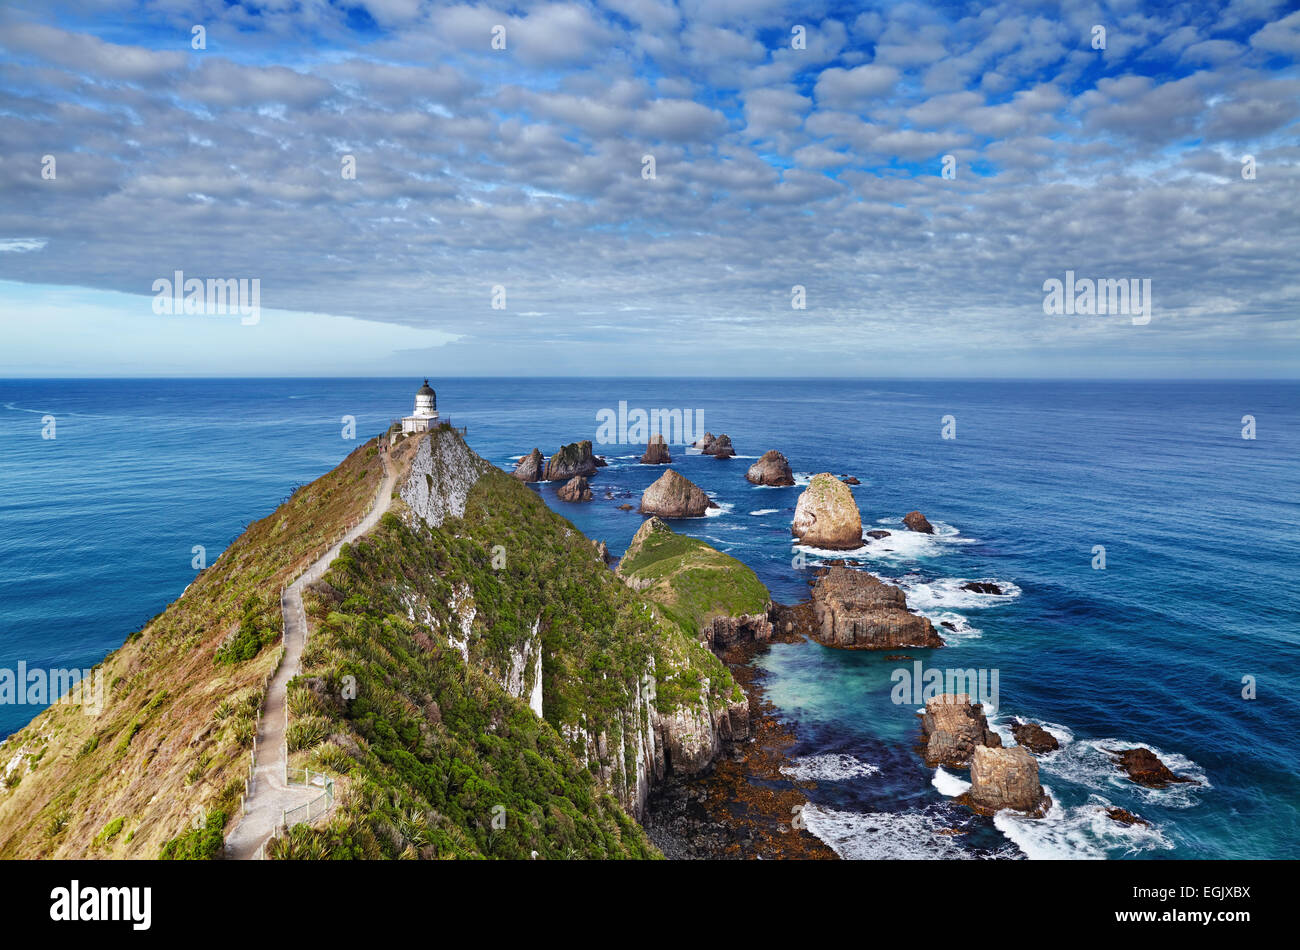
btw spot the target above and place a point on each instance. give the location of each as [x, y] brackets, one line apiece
[674, 496]
[952, 728]
[772, 468]
[529, 468]
[1006, 778]
[916, 521]
[858, 611]
[826, 515]
[656, 452]
[575, 489]
[573, 459]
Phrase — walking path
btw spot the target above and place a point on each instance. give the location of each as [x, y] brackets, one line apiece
[271, 794]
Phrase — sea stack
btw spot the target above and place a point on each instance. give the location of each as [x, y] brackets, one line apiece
[1006, 778]
[529, 468]
[1144, 767]
[573, 459]
[857, 611]
[575, 489]
[953, 728]
[675, 496]
[772, 469]
[656, 451]
[1033, 736]
[826, 516]
[916, 521]
[719, 447]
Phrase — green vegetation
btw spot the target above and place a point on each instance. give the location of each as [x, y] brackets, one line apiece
[258, 627]
[159, 749]
[692, 581]
[432, 749]
[198, 844]
[110, 831]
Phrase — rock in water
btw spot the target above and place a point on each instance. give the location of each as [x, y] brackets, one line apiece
[1033, 736]
[981, 587]
[1006, 778]
[720, 447]
[573, 459]
[1125, 817]
[656, 452]
[1144, 767]
[826, 515]
[529, 468]
[850, 480]
[916, 521]
[575, 489]
[953, 728]
[858, 611]
[772, 469]
[878, 533]
[674, 496]
[703, 442]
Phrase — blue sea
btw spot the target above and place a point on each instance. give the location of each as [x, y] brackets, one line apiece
[1197, 599]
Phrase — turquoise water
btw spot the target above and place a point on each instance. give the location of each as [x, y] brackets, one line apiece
[1201, 530]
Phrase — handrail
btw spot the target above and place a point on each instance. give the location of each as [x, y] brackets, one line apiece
[328, 794]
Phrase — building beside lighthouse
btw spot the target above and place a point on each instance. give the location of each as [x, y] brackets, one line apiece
[425, 415]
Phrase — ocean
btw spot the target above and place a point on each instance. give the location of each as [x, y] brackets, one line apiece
[1196, 604]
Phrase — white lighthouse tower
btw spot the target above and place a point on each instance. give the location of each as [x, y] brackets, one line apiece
[425, 415]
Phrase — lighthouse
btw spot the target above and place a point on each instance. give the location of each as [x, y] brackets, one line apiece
[425, 415]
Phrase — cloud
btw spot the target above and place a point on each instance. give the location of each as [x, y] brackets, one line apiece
[854, 88]
[523, 168]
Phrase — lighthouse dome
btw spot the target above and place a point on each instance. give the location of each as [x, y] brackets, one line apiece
[426, 401]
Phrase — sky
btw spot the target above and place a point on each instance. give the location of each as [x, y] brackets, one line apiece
[638, 187]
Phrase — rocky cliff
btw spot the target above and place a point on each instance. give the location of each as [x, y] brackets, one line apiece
[855, 610]
[486, 569]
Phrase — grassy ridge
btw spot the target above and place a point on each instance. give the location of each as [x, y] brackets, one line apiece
[162, 767]
[693, 581]
[432, 749]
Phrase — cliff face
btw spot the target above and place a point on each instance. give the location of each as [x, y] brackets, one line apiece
[477, 565]
[440, 477]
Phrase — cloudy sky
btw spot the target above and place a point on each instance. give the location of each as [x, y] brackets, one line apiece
[793, 144]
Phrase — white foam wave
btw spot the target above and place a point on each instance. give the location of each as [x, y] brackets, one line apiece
[903, 544]
[874, 836]
[949, 784]
[1001, 724]
[1087, 763]
[724, 507]
[765, 511]
[961, 629]
[828, 767]
[946, 593]
[1083, 831]
[830, 553]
